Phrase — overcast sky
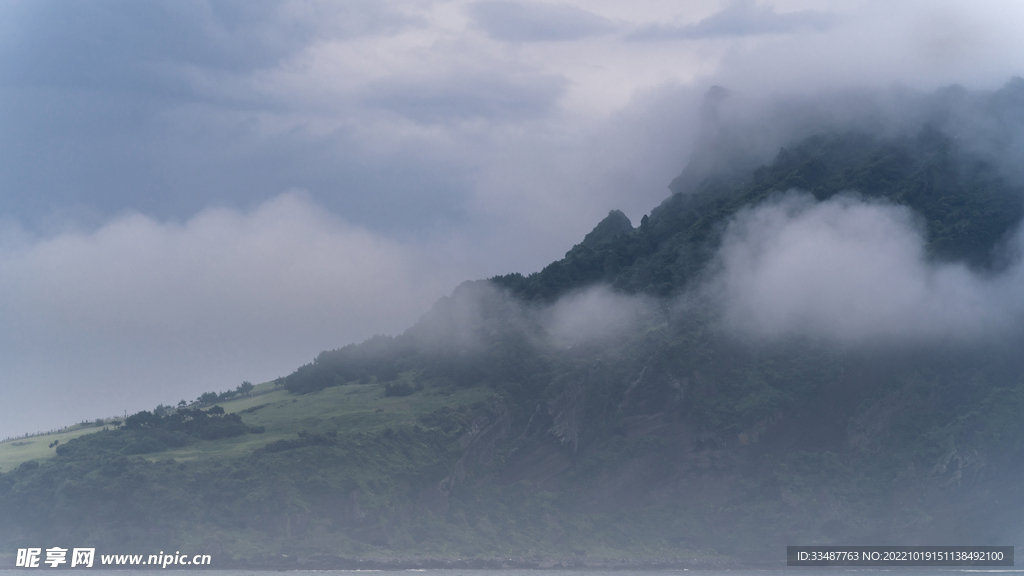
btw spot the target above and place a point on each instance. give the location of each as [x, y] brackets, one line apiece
[200, 192]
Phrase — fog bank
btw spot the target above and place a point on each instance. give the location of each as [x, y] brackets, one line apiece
[854, 271]
[141, 311]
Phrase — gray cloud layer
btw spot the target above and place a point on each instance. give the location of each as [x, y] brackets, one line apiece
[516, 21]
[740, 18]
[483, 95]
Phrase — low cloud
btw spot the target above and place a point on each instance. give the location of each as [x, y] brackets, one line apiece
[595, 315]
[852, 271]
[480, 311]
[141, 311]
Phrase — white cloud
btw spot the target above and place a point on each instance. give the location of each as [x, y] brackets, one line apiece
[142, 311]
[918, 44]
[595, 315]
[853, 272]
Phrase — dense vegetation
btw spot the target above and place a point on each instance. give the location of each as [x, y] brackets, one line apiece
[664, 438]
[95, 494]
[147, 432]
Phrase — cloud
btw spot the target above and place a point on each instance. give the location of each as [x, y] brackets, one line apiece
[740, 18]
[481, 95]
[516, 21]
[479, 311]
[118, 44]
[141, 311]
[171, 107]
[595, 315]
[403, 118]
[880, 44]
[852, 271]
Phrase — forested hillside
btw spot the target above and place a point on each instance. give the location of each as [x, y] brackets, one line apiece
[609, 408]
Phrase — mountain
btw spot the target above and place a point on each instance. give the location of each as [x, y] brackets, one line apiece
[632, 402]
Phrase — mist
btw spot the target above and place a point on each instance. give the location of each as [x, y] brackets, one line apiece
[434, 142]
[141, 311]
[197, 194]
[597, 315]
[854, 271]
[851, 270]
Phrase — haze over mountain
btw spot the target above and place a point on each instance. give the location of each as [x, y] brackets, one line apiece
[176, 174]
[818, 347]
[813, 339]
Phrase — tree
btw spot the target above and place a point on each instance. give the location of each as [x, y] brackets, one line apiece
[142, 419]
[245, 387]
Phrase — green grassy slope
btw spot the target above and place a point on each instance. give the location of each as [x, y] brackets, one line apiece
[336, 452]
[345, 410]
[355, 408]
[14, 452]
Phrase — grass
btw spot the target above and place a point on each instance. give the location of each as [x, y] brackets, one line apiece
[349, 408]
[14, 452]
